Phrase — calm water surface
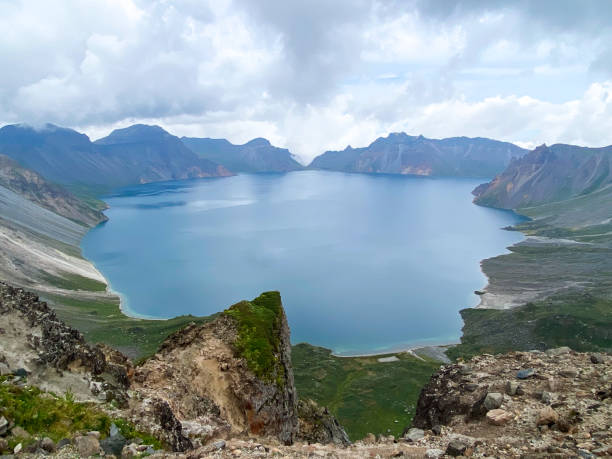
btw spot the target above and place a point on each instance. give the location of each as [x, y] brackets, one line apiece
[364, 263]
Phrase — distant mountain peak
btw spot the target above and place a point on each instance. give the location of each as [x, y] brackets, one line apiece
[135, 133]
[259, 142]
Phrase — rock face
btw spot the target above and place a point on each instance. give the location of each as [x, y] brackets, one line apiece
[203, 375]
[55, 356]
[542, 176]
[399, 153]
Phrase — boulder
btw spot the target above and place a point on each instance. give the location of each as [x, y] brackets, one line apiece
[47, 444]
[434, 453]
[499, 417]
[20, 432]
[493, 400]
[547, 416]
[512, 387]
[87, 445]
[413, 435]
[526, 373]
[113, 444]
[3, 425]
[558, 351]
[456, 448]
[597, 358]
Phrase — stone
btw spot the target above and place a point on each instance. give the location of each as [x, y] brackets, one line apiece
[47, 444]
[470, 387]
[129, 451]
[456, 448]
[87, 446]
[114, 430]
[17, 448]
[20, 432]
[585, 454]
[94, 433]
[597, 358]
[3, 425]
[113, 444]
[525, 374]
[493, 400]
[558, 351]
[434, 453]
[437, 429]
[465, 370]
[220, 444]
[511, 387]
[568, 373]
[63, 442]
[21, 372]
[3, 445]
[547, 416]
[414, 435]
[546, 397]
[4, 369]
[369, 439]
[499, 417]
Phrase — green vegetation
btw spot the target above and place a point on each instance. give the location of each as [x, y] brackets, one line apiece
[100, 320]
[364, 394]
[44, 414]
[69, 281]
[259, 328]
[578, 320]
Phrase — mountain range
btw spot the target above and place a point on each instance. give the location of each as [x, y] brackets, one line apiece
[399, 153]
[258, 155]
[137, 154]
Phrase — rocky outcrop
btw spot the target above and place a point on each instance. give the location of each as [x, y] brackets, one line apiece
[318, 425]
[205, 376]
[553, 402]
[55, 356]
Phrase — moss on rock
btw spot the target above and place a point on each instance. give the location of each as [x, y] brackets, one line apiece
[259, 325]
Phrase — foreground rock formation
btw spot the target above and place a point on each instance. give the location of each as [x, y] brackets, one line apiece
[206, 394]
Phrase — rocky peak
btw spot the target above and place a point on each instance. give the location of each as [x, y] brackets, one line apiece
[231, 376]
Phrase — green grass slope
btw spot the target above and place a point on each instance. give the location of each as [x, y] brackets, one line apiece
[364, 394]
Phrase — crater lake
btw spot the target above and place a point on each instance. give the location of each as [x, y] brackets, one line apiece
[364, 263]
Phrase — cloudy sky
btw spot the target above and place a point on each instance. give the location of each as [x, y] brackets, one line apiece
[312, 75]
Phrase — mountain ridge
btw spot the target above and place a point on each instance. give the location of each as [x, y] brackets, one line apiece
[136, 154]
[400, 153]
[256, 155]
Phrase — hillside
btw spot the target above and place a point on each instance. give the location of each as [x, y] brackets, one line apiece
[548, 174]
[553, 288]
[399, 153]
[137, 154]
[258, 155]
[53, 197]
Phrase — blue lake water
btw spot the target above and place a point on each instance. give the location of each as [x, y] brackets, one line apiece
[364, 263]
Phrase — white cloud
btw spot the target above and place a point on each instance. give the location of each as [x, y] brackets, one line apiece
[312, 75]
